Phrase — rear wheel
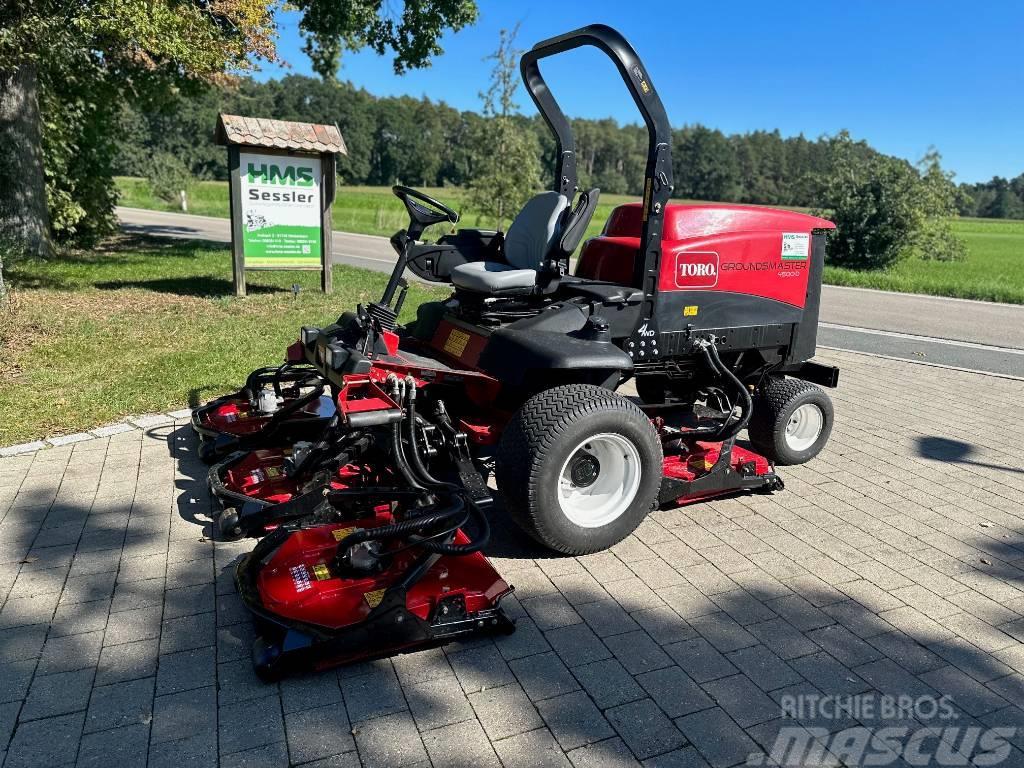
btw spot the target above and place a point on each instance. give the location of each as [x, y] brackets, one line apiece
[792, 420]
[579, 468]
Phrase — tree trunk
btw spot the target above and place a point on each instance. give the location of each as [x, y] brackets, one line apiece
[23, 213]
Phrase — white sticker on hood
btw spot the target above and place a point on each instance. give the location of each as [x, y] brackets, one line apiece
[796, 246]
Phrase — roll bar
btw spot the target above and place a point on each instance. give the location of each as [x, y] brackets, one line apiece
[658, 175]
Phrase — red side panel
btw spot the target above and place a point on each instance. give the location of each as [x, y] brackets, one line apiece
[730, 248]
[746, 262]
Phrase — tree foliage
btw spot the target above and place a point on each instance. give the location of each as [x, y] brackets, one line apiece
[331, 27]
[997, 199]
[885, 209]
[99, 69]
[507, 168]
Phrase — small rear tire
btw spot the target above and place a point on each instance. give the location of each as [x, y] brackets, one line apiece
[579, 468]
[792, 420]
[228, 524]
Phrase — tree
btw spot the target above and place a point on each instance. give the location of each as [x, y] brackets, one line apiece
[67, 65]
[66, 69]
[331, 26]
[704, 164]
[507, 167]
[885, 209]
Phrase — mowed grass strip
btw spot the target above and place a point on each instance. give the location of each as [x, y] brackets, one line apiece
[993, 271]
[144, 325]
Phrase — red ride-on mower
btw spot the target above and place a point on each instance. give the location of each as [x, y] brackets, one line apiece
[711, 309]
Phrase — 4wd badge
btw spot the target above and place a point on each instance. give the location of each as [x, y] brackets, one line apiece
[696, 270]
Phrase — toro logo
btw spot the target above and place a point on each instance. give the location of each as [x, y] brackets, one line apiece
[696, 270]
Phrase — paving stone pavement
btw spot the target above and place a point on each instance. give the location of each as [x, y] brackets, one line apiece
[891, 566]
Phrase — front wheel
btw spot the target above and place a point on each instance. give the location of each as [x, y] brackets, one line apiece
[579, 467]
[792, 420]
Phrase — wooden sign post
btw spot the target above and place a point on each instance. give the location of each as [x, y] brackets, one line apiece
[282, 184]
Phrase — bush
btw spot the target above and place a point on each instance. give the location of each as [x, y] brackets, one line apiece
[885, 209]
[168, 176]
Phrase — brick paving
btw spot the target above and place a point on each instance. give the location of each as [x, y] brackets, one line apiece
[891, 565]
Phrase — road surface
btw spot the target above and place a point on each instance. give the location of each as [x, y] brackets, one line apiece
[973, 335]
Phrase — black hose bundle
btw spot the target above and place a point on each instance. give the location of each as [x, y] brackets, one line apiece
[417, 476]
[727, 431]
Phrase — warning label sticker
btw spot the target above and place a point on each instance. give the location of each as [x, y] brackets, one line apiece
[321, 572]
[373, 598]
[341, 533]
[796, 246]
[456, 344]
[300, 577]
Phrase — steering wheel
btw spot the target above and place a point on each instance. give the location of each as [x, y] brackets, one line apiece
[421, 215]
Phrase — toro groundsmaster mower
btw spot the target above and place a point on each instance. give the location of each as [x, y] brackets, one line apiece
[372, 527]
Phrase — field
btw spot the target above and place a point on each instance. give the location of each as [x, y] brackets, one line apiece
[147, 325]
[365, 210]
[994, 270]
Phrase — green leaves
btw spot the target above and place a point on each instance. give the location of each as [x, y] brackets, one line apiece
[332, 26]
[885, 209]
[507, 167]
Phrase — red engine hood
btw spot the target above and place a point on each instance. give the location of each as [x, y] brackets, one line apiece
[683, 222]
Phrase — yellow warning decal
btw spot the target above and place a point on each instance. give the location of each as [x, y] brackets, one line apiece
[341, 533]
[701, 464]
[373, 598]
[456, 343]
[273, 471]
[321, 572]
[690, 311]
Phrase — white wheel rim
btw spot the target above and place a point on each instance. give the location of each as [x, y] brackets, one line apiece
[804, 427]
[599, 501]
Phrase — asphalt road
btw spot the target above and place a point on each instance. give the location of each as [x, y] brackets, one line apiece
[974, 335]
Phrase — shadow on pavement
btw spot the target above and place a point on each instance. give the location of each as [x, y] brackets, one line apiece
[956, 452]
[626, 655]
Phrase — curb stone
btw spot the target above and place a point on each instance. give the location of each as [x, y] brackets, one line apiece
[131, 424]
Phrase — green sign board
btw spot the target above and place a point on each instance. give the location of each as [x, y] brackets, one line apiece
[281, 207]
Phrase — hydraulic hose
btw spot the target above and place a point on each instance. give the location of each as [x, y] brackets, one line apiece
[727, 432]
[399, 455]
[281, 370]
[250, 380]
[484, 533]
[417, 460]
[397, 530]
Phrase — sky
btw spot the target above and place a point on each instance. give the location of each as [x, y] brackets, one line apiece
[905, 75]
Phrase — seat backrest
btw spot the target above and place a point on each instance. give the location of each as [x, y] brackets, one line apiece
[534, 230]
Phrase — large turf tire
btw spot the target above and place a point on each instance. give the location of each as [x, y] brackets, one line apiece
[776, 405]
[542, 439]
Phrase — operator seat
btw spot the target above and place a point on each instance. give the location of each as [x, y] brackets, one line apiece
[543, 230]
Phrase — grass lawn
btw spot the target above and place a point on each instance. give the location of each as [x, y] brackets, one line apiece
[994, 270]
[364, 210]
[145, 325]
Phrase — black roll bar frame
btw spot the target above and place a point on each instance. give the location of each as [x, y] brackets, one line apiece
[658, 174]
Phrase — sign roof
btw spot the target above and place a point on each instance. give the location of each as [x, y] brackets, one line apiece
[279, 134]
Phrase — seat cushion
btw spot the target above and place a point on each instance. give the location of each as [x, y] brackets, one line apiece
[492, 277]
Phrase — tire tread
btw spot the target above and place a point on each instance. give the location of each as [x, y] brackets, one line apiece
[531, 433]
